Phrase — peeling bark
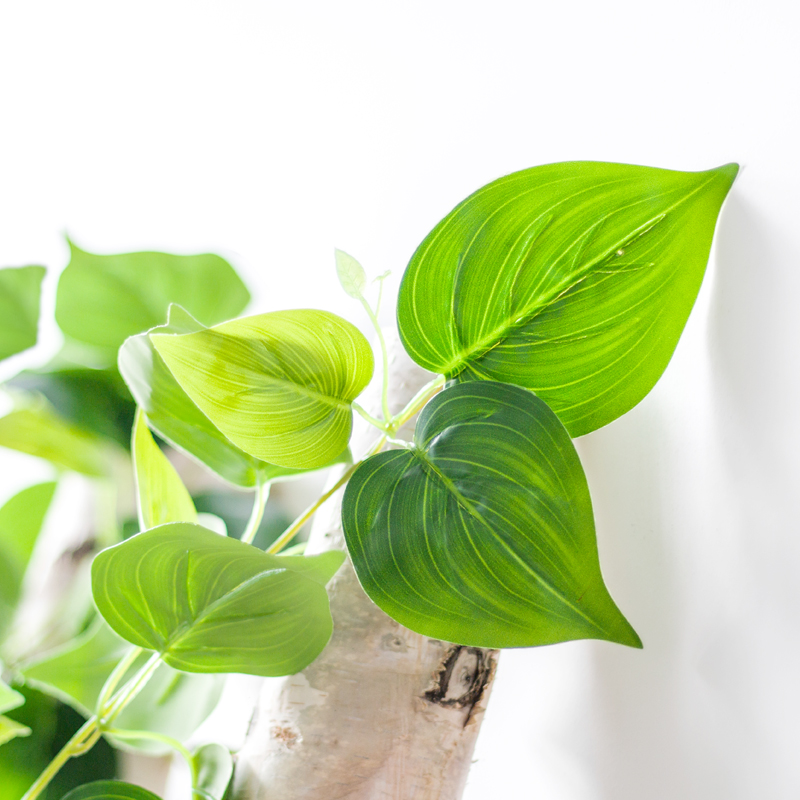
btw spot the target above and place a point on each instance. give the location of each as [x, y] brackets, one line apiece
[383, 712]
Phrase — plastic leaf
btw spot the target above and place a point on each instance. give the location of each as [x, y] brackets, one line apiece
[351, 274]
[20, 289]
[482, 534]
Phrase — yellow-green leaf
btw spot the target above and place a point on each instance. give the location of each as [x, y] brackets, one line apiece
[278, 385]
[161, 493]
[20, 289]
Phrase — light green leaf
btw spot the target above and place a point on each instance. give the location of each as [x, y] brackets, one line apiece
[172, 702]
[162, 495]
[176, 418]
[21, 520]
[36, 430]
[110, 790]
[20, 289]
[10, 729]
[278, 385]
[574, 280]
[212, 604]
[482, 534]
[9, 699]
[213, 766]
[102, 300]
[351, 274]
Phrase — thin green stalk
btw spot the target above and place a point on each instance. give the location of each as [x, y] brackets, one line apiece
[128, 692]
[378, 423]
[109, 687]
[415, 404]
[384, 357]
[157, 737]
[260, 502]
[71, 748]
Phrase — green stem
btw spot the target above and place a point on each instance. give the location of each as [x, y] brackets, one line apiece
[384, 356]
[129, 691]
[71, 748]
[378, 423]
[125, 663]
[262, 494]
[415, 404]
[157, 737]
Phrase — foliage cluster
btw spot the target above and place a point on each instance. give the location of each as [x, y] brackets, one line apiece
[546, 304]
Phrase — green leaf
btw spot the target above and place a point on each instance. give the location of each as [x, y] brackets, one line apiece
[278, 385]
[483, 533]
[20, 290]
[176, 418]
[95, 400]
[102, 300]
[38, 431]
[9, 699]
[110, 790]
[351, 274]
[162, 495]
[213, 604]
[21, 520]
[171, 703]
[574, 280]
[10, 729]
[213, 766]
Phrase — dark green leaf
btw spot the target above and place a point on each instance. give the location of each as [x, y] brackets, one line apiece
[212, 604]
[36, 430]
[483, 533]
[21, 520]
[278, 385]
[102, 300]
[20, 288]
[176, 418]
[172, 702]
[574, 280]
[94, 400]
[213, 766]
[110, 790]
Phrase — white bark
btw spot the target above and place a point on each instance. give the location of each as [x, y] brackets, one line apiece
[383, 712]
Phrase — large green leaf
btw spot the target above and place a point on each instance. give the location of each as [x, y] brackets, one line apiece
[212, 604]
[21, 520]
[176, 418]
[574, 280]
[102, 300]
[110, 790]
[38, 431]
[278, 385]
[20, 289]
[171, 703]
[483, 533]
[161, 493]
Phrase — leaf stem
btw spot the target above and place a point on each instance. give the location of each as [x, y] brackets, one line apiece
[261, 497]
[415, 404]
[378, 423]
[158, 737]
[384, 355]
[125, 663]
[129, 691]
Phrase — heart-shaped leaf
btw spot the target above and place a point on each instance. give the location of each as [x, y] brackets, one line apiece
[162, 496]
[483, 533]
[172, 702]
[38, 431]
[278, 385]
[20, 289]
[351, 274]
[102, 300]
[574, 280]
[110, 790]
[21, 520]
[213, 604]
[176, 418]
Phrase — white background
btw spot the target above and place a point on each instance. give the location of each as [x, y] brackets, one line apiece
[272, 132]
